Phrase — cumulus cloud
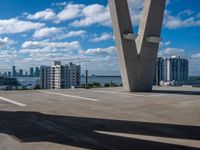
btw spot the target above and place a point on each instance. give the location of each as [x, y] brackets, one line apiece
[8, 55]
[183, 19]
[14, 25]
[57, 33]
[87, 15]
[71, 11]
[75, 33]
[42, 51]
[41, 44]
[47, 14]
[168, 52]
[99, 51]
[5, 42]
[136, 8]
[59, 3]
[94, 14]
[102, 37]
[196, 55]
[47, 32]
[164, 44]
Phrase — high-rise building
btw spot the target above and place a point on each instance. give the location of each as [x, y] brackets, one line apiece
[159, 73]
[14, 73]
[21, 73]
[31, 72]
[37, 72]
[45, 77]
[60, 76]
[9, 74]
[75, 75]
[176, 69]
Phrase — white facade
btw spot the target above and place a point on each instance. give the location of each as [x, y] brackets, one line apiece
[176, 69]
[60, 76]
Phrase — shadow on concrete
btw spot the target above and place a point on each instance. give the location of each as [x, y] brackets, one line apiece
[176, 92]
[81, 132]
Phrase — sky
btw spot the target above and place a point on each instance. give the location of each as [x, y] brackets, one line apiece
[36, 32]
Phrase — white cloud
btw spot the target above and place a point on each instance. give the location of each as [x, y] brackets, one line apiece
[59, 3]
[196, 56]
[87, 15]
[102, 37]
[136, 8]
[5, 42]
[70, 11]
[14, 25]
[183, 19]
[164, 44]
[57, 33]
[75, 33]
[99, 51]
[168, 52]
[94, 14]
[42, 44]
[47, 32]
[42, 52]
[47, 14]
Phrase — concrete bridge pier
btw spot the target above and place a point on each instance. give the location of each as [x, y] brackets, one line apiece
[137, 53]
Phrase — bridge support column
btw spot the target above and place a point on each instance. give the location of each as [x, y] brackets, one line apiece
[137, 54]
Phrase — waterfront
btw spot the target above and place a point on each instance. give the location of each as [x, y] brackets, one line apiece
[32, 81]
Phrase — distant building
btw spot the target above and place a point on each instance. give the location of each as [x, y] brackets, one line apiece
[21, 73]
[31, 72]
[159, 73]
[75, 75]
[8, 83]
[45, 77]
[176, 69]
[37, 72]
[14, 73]
[5, 74]
[59, 76]
[9, 74]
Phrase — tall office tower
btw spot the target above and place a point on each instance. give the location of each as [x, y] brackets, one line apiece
[37, 72]
[14, 73]
[9, 74]
[60, 76]
[21, 73]
[5, 74]
[159, 73]
[176, 69]
[31, 72]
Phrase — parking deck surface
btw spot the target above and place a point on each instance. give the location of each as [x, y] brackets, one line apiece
[102, 119]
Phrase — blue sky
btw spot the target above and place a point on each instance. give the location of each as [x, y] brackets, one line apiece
[34, 33]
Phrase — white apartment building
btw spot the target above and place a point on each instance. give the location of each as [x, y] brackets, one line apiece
[60, 76]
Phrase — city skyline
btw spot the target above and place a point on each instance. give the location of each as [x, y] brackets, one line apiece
[18, 72]
[64, 31]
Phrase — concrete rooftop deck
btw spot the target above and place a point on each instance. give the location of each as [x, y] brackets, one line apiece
[101, 119]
